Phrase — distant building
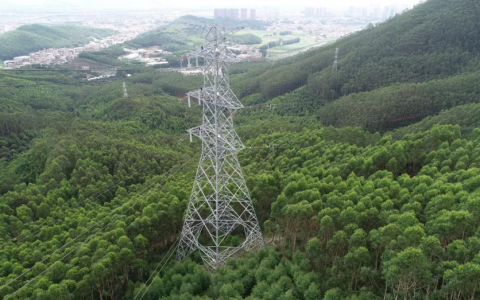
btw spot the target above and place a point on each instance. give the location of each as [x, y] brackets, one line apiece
[9, 63]
[231, 13]
[270, 12]
[315, 12]
[132, 56]
[253, 14]
[309, 12]
[20, 59]
[244, 14]
[191, 72]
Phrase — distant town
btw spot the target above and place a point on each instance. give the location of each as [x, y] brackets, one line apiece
[58, 56]
[316, 25]
[129, 27]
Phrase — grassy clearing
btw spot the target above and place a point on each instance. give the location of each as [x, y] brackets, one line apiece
[306, 40]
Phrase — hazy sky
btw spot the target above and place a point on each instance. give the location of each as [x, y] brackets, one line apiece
[138, 4]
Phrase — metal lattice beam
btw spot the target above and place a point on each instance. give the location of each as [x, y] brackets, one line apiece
[220, 204]
[335, 63]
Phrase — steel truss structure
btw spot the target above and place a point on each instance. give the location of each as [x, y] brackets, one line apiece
[220, 205]
[335, 63]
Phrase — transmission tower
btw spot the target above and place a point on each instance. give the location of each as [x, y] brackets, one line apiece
[335, 63]
[220, 205]
[125, 93]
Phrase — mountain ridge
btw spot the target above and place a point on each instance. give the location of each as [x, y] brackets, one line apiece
[35, 37]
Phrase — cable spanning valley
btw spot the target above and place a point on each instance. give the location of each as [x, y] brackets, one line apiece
[348, 171]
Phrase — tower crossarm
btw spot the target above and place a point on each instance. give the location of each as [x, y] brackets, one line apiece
[226, 56]
[221, 97]
[229, 139]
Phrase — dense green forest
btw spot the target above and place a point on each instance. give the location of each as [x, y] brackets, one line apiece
[35, 37]
[365, 184]
[347, 214]
[407, 56]
[246, 39]
[108, 56]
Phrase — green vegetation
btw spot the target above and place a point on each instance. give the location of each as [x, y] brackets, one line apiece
[467, 116]
[349, 214]
[285, 33]
[93, 186]
[280, 42]
[401, 104]
[31, 38]
[170, 38]
[291, 41]
[108, 56]
[424, 44]
[246, 39]
[181, 35]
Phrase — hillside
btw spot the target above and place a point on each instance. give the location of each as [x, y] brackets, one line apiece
[31, 38]
[467, 116]
[434, 41]
[349, 214]
[94, 185]
[180, 34]
[390, 107]
[178, 37]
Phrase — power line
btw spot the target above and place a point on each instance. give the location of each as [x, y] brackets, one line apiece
[50, 255]
[79, 205]
[154, 271]
[88, 229]
[81, 243]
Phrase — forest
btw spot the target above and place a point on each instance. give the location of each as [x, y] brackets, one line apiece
[366, 187]
[35, 37]
[246, 39]
[434, 41]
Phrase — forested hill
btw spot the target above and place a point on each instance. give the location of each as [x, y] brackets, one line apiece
[94, 186]
[31, 38]
[434, 41]
[180, 36]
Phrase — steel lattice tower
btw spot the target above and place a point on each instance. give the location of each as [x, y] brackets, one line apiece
[220, 204]
[335, 63]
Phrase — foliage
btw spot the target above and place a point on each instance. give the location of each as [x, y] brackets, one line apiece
[464, 115]
[423, 44]
[291, 41]
[108, 56]
[31, 38]
[397, 105]
[93, 186]
[246, 39]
